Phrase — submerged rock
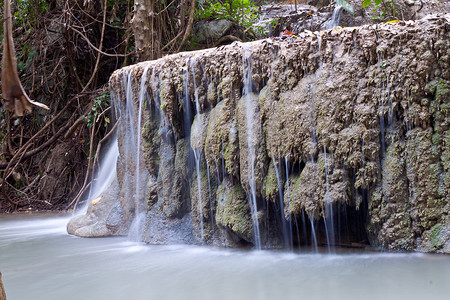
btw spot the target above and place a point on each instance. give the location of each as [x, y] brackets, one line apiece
[346, 119]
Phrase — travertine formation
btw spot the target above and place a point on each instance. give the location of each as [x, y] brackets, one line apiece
[311, 127]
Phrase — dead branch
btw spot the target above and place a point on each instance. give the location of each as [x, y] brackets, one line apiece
[95, 48]
[189, 27]
[34, 137]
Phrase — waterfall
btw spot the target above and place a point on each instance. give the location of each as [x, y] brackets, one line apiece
[249, 111]
[107, 169]
[313, 235]
[137, 227]
[197, 156]
[132, 137]
[106, 173]
[187, 109]
[284, 224]
[328, 217]
[198, 152]
[304, 226]
[275, 101]
[289, 228]
[335, 17]
[211, 210]
[381, 109]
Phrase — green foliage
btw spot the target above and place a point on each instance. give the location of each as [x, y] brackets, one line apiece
[26, 16]
[27, 13]
[384, 10]
[345, 5]
[435, 236]
[101, 103]
[242, 12]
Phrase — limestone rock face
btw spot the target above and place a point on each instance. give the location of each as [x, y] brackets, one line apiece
[103, 217]
[347, 125]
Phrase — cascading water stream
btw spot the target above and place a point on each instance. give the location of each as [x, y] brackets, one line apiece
[281, 201]
[198, 152]
[304, 225]
[381, 111]
[335, 17]
[313, 235]
[187, 109]
[107, 171]
[211, 210]
[223, 163]
[249, 107]
[128, 117]
[328, 218]
[137, 226]
[411, 176]
[197, 156]
[390, 109]
[289, 228]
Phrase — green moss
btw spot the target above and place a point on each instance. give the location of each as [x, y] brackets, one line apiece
[375, 200]
[271, 183]
[435, 171]
[166, 96]
[435, 236]
[440, 88]
[424, 102]
[150, 144]
[436, 139]
[293, 201]
[439, 202]
[233, 211]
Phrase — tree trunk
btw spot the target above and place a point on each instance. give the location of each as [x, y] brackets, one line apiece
[147, 30]
[2, 289]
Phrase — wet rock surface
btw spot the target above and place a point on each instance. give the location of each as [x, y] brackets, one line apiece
[103, 217]
[346, 117]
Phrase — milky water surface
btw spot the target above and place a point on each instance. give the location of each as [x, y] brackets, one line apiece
[39, 260]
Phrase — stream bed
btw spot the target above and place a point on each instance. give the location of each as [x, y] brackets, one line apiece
[39, 260]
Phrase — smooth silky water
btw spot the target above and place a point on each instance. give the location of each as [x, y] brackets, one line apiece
[39, 260]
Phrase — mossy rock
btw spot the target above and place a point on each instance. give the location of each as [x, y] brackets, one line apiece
[233, 212]
[271, 185]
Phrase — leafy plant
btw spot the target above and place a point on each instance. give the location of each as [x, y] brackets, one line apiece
[242, 12]
[345, 5]
[28, 13]
[101, 103]
[26, 17]
[384, 10]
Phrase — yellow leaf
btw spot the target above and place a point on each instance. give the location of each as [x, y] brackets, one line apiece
[393, 21]
[95, 201]
[337, 29]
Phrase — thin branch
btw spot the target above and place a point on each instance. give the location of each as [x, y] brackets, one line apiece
[172, 41]
[102, 35]
[95, 48]
[189, 27]
[34, 137]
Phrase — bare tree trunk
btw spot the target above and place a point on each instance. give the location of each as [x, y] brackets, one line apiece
[147, 30]
[2, 289]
